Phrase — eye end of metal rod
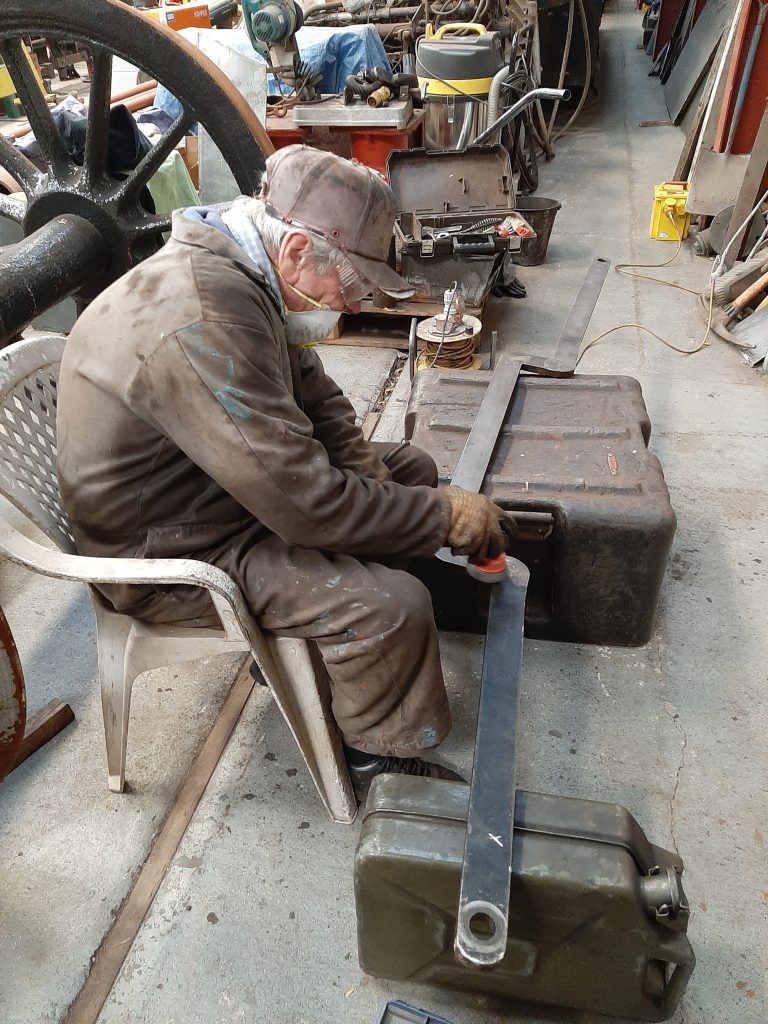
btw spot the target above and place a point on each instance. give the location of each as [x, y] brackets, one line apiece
[481, 934]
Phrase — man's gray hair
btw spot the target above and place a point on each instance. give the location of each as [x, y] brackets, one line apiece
[272, 230]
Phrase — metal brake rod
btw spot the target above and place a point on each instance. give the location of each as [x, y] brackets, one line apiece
[483, 913]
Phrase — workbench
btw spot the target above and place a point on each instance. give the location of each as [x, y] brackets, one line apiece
[371, 146]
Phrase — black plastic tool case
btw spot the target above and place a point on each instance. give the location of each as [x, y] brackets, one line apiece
[597, 915]
[575, 447]
[435, 191]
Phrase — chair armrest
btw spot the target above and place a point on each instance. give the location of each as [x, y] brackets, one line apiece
[224, 592]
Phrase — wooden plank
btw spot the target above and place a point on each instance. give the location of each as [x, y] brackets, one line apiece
[696, 56]
[698, 200]
[111, 955]
[685, 160]
[42, 726]
[369, 424]
[411, 308]
[361, 339]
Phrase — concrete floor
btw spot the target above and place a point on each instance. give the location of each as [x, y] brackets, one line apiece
[255, 920]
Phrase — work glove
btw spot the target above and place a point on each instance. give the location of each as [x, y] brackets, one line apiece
[474, 528]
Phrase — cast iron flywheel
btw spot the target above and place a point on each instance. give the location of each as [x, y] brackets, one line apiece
[13, 708]
[83, 228]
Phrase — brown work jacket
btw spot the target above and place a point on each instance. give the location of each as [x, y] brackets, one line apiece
[184, 415]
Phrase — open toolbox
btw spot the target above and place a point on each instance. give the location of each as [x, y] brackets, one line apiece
[456, 218]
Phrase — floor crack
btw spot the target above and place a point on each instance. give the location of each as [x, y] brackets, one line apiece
[675, 717]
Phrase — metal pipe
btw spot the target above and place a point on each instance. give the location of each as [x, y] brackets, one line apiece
[517, 108]
[133, 91]
[46, 267]
[494, 93]
[320, 8]
[466, 127]
[383, 14]
[139, 102]
[745, 76]
[387, 30]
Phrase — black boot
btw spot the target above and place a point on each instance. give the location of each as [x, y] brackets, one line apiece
[363, 772]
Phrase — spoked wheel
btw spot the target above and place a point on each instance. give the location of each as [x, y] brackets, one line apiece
[83, 227]
[13, 707]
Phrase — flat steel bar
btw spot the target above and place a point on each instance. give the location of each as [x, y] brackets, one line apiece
[42, 726]
[566, 357]
[478, 450]
[117, 943]
[482, 921]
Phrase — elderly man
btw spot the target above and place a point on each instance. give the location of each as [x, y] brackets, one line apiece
[195, 420]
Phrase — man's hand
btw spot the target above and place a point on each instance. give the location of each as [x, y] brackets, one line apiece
[474, 528]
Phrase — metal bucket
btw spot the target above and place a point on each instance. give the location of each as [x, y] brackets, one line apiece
[540, 214]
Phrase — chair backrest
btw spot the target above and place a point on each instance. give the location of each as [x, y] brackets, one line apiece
[29, 374]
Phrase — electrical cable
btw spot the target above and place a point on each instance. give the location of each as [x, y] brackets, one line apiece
[628, 268]
[564, 64]
[658, 337]
[759, 243]
[587, 74]
[454, 289]
[622, 268]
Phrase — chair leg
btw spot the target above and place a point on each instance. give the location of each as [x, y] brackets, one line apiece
[112, 633]
[300, 691]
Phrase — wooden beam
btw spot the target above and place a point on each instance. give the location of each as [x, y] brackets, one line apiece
[112, 953]
[43, 726]
[685, 161]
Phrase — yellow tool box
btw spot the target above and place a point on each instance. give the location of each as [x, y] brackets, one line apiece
[669, 219]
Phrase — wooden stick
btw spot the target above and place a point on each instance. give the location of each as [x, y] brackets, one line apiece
[43, 726]
[685, 161]
[743, 300]
[112, 953]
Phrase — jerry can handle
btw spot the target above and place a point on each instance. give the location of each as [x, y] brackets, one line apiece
[482, 918]
[678, 952]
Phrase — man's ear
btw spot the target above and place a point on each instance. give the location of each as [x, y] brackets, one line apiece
[293, 248]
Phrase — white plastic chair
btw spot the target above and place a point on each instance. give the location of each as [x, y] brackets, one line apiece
[127, 647]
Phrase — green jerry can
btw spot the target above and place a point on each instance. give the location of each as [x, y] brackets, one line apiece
[597, 915]
[545, 899]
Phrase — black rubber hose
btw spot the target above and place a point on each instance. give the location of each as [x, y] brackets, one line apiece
[354, 86]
